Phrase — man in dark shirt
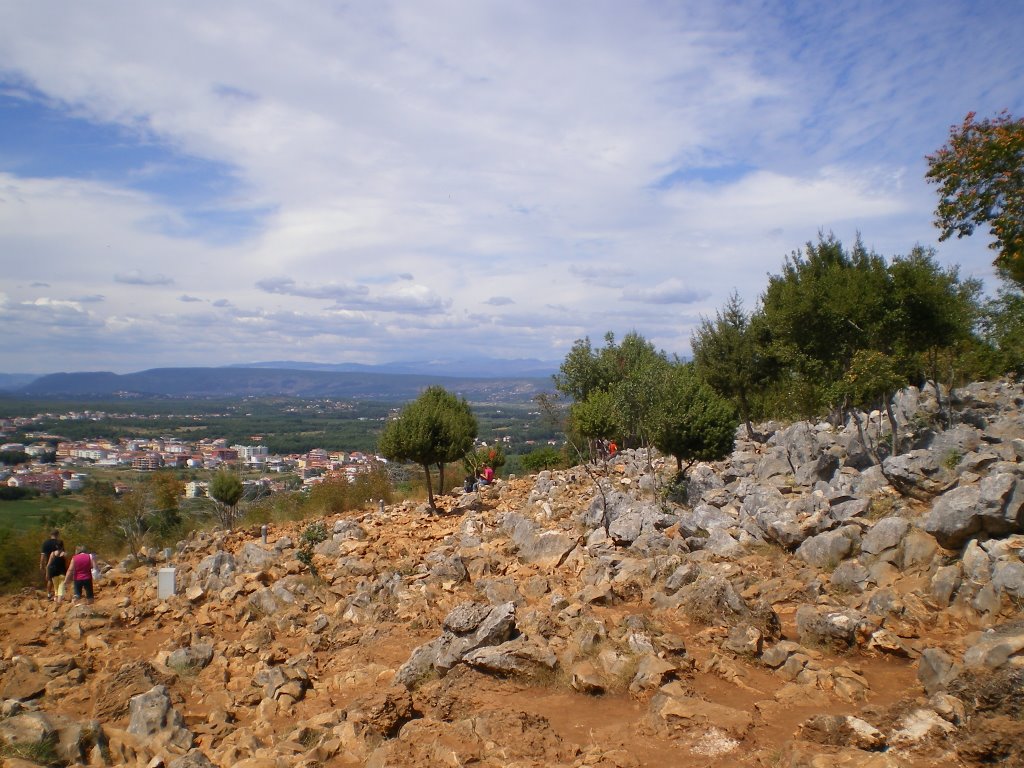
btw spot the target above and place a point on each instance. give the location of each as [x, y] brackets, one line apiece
[52, 544]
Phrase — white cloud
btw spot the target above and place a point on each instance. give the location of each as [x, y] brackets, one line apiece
[569, 168]
[671, 291]
[137, 277]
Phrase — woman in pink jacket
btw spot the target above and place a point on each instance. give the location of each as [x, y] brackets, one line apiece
[80, 572]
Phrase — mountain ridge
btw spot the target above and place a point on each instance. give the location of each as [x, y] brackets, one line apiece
[267, 382]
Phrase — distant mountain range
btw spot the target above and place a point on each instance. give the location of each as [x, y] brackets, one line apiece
[9, 381]
[480, 368]
[285, 379]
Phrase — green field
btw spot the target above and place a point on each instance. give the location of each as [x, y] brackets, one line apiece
[29, 514]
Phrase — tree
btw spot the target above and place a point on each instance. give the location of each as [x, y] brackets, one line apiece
[435, 428]
[829, 304]
[546, 457]
[824, 306]
[459, 428]
[929, 311]
[1003, 327]
[594, 418]
[730, 356]
[695, 423]
[980, 173]
[226, 489]
[580, 373]
[613, 388]
[131, 518]
[492, 456]
[166, 491]
[637, 369]
[870, 380]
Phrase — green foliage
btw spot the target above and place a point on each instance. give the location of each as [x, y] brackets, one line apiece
[19, 559]
[596, 416]
[1003, 327]
[823, 307]
[829, 304]
[13, 458]
[695, 423]
[951, 459]
[633, 391]
[870, 378]
[436, 428]
[614, 388]
[547, 457]
[492, 456]
[7, 493]
[580, 372]
[338, 495]
[226, 489]
[42, 752]
[147, 513]
[637, 370]
[313, 534]
[980, 173]
[733, 356]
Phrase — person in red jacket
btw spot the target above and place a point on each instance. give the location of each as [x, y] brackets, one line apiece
[80, 572]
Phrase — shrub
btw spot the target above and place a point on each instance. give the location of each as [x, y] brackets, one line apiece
[540, 459]
[313, 534]
[19, 559]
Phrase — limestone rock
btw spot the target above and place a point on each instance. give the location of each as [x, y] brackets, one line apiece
[152, 715]
[673, 708]
[919, 473]
[713, 600]
[515, 657]
[831, 628]
[27, 728]
[383, 713]
[841, 731]
[194, 657]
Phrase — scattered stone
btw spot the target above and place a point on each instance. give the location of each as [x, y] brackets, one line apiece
[841, 731]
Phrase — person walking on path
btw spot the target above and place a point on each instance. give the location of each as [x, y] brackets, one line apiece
[56, 572]
[50, 546]
[80, 572]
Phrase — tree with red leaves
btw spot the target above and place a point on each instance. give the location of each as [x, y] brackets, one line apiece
[980, 173]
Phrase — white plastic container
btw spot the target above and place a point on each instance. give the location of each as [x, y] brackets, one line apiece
[165, 583]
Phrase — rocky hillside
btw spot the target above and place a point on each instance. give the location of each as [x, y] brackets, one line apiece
[806, 607]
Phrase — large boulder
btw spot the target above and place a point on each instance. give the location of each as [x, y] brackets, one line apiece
[151, 715]
[215, 572]
[827, 550]
[30, 728]
[468, 627]
[806, 450]
[831, 628]
[884, 535]
[193, 658]
[514, 657]
[254, 558]
[712, 600]
[919, 473]
[993, 507]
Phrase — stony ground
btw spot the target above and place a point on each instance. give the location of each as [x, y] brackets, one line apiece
[545, 623]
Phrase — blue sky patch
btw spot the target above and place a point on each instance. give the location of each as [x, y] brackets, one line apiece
[43, 141]
[717, 174]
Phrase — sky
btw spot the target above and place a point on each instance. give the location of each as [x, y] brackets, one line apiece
[197, 183]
